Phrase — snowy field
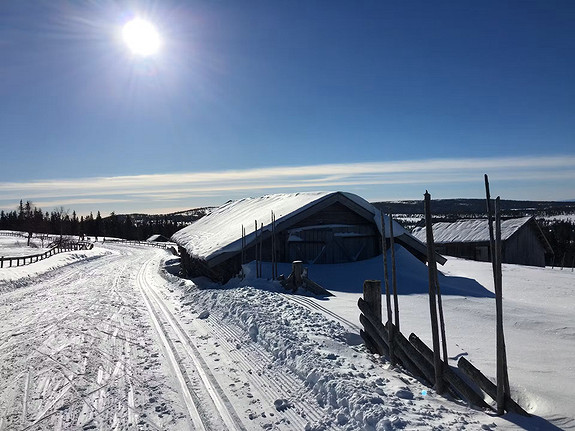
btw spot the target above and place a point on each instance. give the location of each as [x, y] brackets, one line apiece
[109, 339]
[14, 246]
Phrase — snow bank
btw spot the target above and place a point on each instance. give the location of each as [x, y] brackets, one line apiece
[14, 277]
[355, 387]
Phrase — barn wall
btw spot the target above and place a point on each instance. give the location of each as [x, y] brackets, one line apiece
[524, 248]
[467, 250]
[336, 213]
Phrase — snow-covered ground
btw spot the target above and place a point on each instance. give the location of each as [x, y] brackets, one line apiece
[115, 341]
[14, 246]
[562, 217]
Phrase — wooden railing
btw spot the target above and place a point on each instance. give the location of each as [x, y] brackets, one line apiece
[13, 233]
[8, 262]
[148, 243]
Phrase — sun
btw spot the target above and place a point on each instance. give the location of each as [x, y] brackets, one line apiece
[141, 37]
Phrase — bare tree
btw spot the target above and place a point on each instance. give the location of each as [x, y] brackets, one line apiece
[61, 215]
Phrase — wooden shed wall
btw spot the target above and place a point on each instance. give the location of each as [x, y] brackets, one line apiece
[524, 248]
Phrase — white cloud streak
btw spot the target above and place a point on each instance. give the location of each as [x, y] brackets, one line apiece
[216, 185]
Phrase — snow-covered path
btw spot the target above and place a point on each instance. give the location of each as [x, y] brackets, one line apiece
[102, 344]
[77, 350]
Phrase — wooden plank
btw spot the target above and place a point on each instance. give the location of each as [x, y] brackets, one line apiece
[372, 296]
[409, 357]
[488, 386]
[502, 376]
[425, 368]
[380, 343]
[458, 384]
[393, 274]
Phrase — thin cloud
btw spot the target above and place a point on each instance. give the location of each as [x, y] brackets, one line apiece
[217, 185]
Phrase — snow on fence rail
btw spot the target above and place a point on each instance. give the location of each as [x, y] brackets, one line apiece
[7, 262]
[134, 242]
[10, 233]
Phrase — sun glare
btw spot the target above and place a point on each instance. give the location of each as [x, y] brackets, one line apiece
[141, 37]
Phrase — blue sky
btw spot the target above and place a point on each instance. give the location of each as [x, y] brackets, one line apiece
[383, 99]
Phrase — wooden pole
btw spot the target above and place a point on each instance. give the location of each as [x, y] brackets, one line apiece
[389, 323]
[277, 248]
[256, 248]
[261, 250]
[441, 319]
[490, 226]
[439, 385]
[502, 376]
[393, 274]
[273, 246]
[243, 258]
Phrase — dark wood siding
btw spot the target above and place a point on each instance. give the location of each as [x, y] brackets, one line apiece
[332, 243]
[524, 248]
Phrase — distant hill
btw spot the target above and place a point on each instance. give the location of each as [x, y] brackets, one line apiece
[477, 207]
[179, 218]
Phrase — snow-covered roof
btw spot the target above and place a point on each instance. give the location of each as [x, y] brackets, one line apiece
[221, 231]
[472, 230]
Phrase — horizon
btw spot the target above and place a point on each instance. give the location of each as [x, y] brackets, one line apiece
[234, 100]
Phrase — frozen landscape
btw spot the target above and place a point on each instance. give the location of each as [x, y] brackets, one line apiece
[110, 338]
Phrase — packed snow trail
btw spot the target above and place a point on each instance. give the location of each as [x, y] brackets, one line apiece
[101, 344]
[77, 351]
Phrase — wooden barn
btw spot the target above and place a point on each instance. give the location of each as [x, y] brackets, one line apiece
[523, 241]
[316, 228]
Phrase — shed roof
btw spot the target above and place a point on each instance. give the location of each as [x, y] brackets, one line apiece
[220, 232]
[469, 230]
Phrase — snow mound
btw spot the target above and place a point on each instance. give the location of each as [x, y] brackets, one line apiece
[350, 383]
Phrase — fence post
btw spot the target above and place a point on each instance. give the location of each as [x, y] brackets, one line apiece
[2, 262]
[372, 298]
[372, 295]
[297, 269]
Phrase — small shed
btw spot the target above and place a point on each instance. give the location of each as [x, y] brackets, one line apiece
[315, 227]
[523, 242]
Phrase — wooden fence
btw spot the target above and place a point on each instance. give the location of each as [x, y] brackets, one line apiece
[8, 262]
[413, 354]
[163, 245]
[15, 233]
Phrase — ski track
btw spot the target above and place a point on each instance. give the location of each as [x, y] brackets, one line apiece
[77, 352]
[103, 345]
[271, 382]
[311, 305]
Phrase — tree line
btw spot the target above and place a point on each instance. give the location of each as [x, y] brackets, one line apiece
[561, 237]
[29, 218]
